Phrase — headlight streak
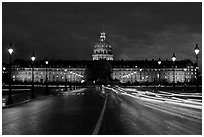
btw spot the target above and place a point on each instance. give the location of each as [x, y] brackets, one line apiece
[162, 98]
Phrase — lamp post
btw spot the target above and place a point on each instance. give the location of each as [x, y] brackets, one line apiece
[159, 62]
[32, 90]
[131, 77]
[65, 78]
[173, 59]
[9, 100]
[185, 69]
[46, 81]
[196, 50]
[140, 78]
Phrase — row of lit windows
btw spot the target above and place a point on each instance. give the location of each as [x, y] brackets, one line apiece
[106, 46]
[170, 73]
[53, 69]
[43, 77]
[39, 79]
[103, 57]
[103, 52]
[150, 79]
[36, 73]
[167, 69]
[189, 68]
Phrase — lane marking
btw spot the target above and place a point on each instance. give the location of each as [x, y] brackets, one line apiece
[98, 125]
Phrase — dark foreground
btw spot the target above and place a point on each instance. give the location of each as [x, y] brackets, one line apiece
[79, 113]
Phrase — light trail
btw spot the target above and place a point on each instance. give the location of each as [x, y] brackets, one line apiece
[174, 109]
[171, 95]
[78, 90]
[146, 96]
[175, 112]
[178, 110]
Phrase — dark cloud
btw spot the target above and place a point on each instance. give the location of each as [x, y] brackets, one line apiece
[69, 30]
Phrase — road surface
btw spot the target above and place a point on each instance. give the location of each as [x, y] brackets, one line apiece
[74, 113]
[82, 112]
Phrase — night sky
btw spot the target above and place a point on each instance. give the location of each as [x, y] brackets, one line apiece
[134, 30]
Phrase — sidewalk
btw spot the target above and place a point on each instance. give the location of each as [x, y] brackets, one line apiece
[24, 97]
[25, 101]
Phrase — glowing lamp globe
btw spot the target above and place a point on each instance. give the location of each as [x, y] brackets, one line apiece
[196, 49]
[10, 50]
[46, 62]
[159, 61]
[33, 58]
[174, 57]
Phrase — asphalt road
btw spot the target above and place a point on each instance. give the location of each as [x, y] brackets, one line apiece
[75, 113]
[79, 113]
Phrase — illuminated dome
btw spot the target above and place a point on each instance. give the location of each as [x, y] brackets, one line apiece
[102, 50]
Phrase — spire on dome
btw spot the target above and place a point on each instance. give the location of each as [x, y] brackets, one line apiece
[103, 36]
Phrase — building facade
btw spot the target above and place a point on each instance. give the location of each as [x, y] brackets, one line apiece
[150, 71]
[124, 71]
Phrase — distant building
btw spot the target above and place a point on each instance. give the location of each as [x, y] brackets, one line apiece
[103, 67]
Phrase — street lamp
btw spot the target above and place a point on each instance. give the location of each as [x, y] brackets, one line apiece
[173, 59]
[159, 62]
[46, 81]
[196, 50]
[32, 90]
[65, 78]
[9, 100]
